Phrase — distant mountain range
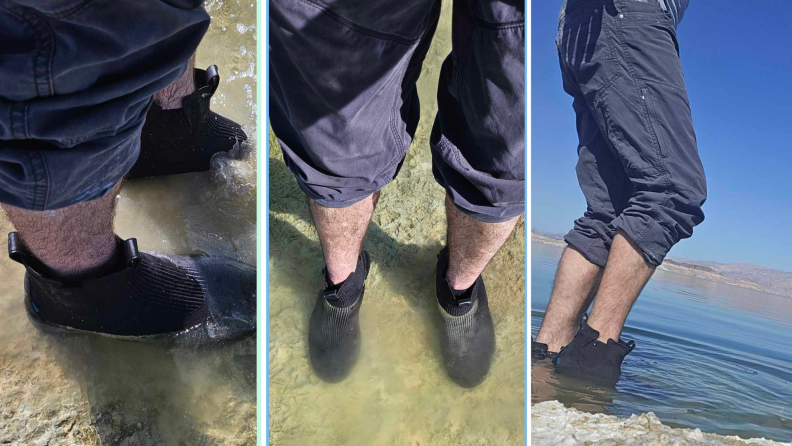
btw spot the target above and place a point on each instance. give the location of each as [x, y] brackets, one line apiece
[739, 274]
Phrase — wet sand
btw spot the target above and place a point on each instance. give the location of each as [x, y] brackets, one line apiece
[92, 391]
[398, 393]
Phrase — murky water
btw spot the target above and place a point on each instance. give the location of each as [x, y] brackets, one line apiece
[708, 356]
[398, 393]
[90, 391]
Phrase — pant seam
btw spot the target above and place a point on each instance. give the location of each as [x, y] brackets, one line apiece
[650, 128]
[400, 144]
[352, 25]
[46, 188]
[35, 180]
[489, 25]
[46, 40]
[26, 120]
[11, 121]
[20, 13]
[655, 81]
[72, 11]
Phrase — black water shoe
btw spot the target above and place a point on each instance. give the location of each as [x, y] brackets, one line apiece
[184, 140]
[467, 333]
[180, 301]
[334, 329]
[539, 351]
[588, 358]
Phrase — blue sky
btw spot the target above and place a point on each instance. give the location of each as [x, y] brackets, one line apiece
[738, 70]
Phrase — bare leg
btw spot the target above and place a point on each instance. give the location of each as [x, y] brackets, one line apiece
[626, 274]
[341, 232]
[575, 285]
[170, 97]
[471, 244]
[71, 240]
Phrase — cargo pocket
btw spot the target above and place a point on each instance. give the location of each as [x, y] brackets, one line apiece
[623, 119]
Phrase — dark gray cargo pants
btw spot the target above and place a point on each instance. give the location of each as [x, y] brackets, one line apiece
[638, 164]
[344, 104]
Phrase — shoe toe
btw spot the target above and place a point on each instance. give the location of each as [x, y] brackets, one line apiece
[333, 341]
[230, 297]
[468, 345]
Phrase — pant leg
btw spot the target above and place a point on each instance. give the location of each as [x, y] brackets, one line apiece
[623, 56]
[603, 182]
[343, 101]
[77, 80]
[478, 139]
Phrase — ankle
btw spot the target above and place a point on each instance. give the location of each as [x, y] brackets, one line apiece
[81, 263]
[606, 330]
[170, 97]
[338, 275]
[557, 339]
[460, 282]
[554, 345]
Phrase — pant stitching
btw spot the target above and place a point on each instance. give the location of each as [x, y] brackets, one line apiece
[400, 144]
[489, 25]
[11, 121]
[661, 164]
[402, 147]
[655, 81]
[349, 24]
[23, 16]
[48, 181]
[35, 180]
[26, 120]
[46, 40]
[74, 10]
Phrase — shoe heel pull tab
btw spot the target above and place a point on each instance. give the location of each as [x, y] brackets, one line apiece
[131, 253]
[212, 78]
[17, 250]
[466, 300]
[331, 294]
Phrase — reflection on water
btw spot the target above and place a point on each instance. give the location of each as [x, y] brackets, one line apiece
[708, 355]
[91, 391]
[398, 394]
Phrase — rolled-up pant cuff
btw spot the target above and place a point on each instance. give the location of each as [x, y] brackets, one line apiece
[70, 129]
[647, 233]
[504, 215]
[334, 203]
[593, 249]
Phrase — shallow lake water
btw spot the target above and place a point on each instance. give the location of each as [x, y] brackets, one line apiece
[708, 356]
[398, 394]
[92, 391]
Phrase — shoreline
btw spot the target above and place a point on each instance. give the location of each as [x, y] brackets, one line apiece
[554, 424]
[671, 266]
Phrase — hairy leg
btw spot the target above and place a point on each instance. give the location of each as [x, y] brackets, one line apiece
[170, 97]
[471, 245]
[72, 240]
[575, 285]
[626, 274]
[341, 233]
